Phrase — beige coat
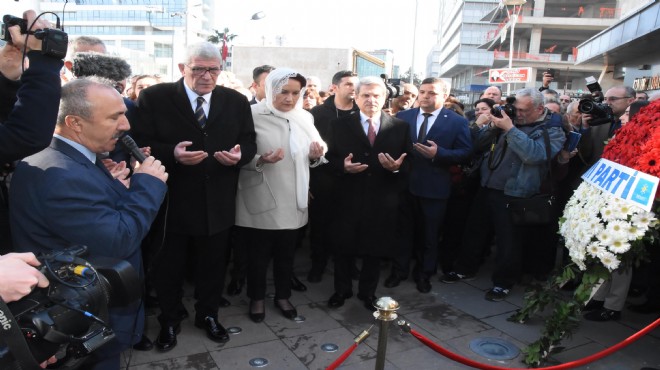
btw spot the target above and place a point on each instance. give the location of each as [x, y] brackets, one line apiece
[267, 196]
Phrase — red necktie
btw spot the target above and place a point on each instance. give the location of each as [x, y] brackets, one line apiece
[371, 132]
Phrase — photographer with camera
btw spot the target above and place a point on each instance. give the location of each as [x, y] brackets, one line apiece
[64, 196]
[598, 130]
[514, 166]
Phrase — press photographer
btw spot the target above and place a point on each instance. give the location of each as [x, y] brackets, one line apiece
[614, 104]
[516, 152]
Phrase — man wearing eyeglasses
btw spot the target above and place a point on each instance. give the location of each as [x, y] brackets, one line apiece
[204, 133]
[593, 142]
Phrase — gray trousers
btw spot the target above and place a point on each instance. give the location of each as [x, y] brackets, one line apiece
[615, 290]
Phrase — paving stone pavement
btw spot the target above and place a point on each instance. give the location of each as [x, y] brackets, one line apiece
[452, 315]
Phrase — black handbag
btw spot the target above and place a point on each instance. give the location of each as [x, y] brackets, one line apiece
[538, 209]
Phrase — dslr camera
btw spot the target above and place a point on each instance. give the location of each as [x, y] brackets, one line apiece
[507, 108]
[53, 41]
[601, 113]
[71, 315]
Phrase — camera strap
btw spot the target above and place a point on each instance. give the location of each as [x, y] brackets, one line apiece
[12, 335]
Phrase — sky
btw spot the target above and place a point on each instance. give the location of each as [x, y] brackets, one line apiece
[361, 24]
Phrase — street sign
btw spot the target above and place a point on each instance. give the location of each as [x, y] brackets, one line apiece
[509, 75]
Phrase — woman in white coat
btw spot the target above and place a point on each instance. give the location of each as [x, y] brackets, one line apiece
[273, 188]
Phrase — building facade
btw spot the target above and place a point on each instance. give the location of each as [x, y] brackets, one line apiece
[476, 36]
[151, 35]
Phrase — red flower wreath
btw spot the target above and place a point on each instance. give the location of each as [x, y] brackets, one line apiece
[637, 144]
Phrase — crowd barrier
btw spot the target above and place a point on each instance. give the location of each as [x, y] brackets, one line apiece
[386, 312]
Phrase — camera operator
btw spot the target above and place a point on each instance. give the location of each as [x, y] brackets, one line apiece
[514, 165]
[618, 98]
[25, 128]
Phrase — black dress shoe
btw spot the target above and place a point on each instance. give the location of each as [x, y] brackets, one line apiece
[603, 314]
[167, 337]
[392, 281]
[297, 285]
[368, 301]
[286, 308]
[144, 344]
[257, 311]
[337, 300]
[423, 285]
[235, 287]
[214, 331]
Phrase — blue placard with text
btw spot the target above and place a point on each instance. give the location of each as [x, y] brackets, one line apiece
[623, 182]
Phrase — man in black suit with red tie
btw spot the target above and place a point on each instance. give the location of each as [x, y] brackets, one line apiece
[204, 133]
[366, 152]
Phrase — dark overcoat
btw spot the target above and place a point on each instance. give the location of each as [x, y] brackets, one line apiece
[202, 197]
[368, 202]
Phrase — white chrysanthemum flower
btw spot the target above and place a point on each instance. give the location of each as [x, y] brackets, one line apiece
[617, 228]
[625, 208]
[635, 232]
[609, 260]
[594, 249]
[618, 245]
[604, 236]
[608, 213]
[642, 219]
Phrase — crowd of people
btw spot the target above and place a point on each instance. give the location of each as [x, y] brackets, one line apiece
[232, 176]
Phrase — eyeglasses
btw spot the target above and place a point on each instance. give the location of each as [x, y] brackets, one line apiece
[565, 100]
[615, 98]
[200, 71]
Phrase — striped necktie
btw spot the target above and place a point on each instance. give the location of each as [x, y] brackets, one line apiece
[199, 112]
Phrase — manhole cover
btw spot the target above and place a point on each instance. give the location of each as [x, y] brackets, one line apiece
[494, 348]
[258, 362]
[329, 347]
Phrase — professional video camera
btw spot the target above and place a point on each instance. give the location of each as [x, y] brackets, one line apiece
[601, 113]
[54, 42]
[508, 108]
[71, 314]
[393, 87]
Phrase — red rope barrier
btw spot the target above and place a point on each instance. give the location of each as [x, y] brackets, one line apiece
[343, 357]
[568, 365]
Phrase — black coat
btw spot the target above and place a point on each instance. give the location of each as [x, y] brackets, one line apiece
[202, 198]
[368, 202]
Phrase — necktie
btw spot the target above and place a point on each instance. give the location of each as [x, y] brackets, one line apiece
[421, 136]
[199, 112]
[371, 132]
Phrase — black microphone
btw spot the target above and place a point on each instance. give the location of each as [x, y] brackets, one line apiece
[130, 146]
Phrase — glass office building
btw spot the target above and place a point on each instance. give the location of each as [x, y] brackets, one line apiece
[150, 34]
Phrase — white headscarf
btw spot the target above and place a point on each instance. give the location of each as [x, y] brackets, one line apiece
[303, 132]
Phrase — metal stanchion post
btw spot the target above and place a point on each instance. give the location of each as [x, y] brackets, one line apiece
[387, 308]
